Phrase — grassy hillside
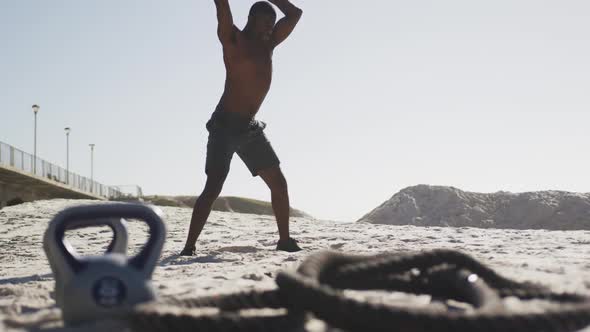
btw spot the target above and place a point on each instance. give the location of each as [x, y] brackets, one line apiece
[226, 204]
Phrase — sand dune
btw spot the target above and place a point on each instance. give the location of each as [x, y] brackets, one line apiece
[223, 204]
[236, 252]
[425, 205]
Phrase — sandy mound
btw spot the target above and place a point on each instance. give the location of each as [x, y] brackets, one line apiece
[425, 205]
[223, 204]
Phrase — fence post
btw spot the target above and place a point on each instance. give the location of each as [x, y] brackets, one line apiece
[11, 156]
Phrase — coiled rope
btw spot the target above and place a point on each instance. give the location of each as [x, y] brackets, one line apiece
[316, 287]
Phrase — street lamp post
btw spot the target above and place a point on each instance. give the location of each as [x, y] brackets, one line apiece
[67, 129]
[35, 110]
[91, 167]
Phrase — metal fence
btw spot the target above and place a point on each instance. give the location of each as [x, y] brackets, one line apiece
[129, 190]
[25, 162]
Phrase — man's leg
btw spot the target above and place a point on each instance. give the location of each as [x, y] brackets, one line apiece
[202, 208]
[261, 159]
[276, 182]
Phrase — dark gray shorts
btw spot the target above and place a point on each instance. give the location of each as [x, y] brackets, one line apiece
[229, 133]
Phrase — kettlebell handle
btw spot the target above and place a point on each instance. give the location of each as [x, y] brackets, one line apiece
[80, 216]
[117, 225]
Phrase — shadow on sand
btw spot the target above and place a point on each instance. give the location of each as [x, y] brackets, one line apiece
[24, 280]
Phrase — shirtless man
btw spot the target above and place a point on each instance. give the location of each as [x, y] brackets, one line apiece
[247, 55]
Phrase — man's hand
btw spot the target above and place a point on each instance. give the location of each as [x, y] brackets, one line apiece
[286, 7]
[275, 2]
[285, 25]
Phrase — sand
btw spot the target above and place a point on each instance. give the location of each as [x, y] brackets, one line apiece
[425, 205]
[236, 252]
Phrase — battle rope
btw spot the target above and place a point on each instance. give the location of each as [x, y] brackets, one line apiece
[316, 287]
[218, 313]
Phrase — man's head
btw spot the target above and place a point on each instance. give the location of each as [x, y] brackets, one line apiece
[261, 19]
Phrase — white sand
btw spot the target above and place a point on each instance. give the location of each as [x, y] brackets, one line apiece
[236, 252]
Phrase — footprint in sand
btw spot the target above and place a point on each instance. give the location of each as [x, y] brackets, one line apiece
[267, 243]
[239, 249]
[410, 240]
[337, 245]
[253, 276]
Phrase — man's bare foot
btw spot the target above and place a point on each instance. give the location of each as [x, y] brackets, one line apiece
[188, 251]
[289, 245]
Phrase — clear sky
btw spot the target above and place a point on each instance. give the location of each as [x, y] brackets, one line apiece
[368, 97]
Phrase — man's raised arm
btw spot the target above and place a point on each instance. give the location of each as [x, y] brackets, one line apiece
[225, 21]
[285, 25]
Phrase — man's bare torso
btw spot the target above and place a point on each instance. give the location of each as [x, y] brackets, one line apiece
[248, 53]
[248, 65]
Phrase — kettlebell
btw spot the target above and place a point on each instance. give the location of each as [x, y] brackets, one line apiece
[107, 286]
[117, 245]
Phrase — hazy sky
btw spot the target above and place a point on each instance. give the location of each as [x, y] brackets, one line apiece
[368, 97]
